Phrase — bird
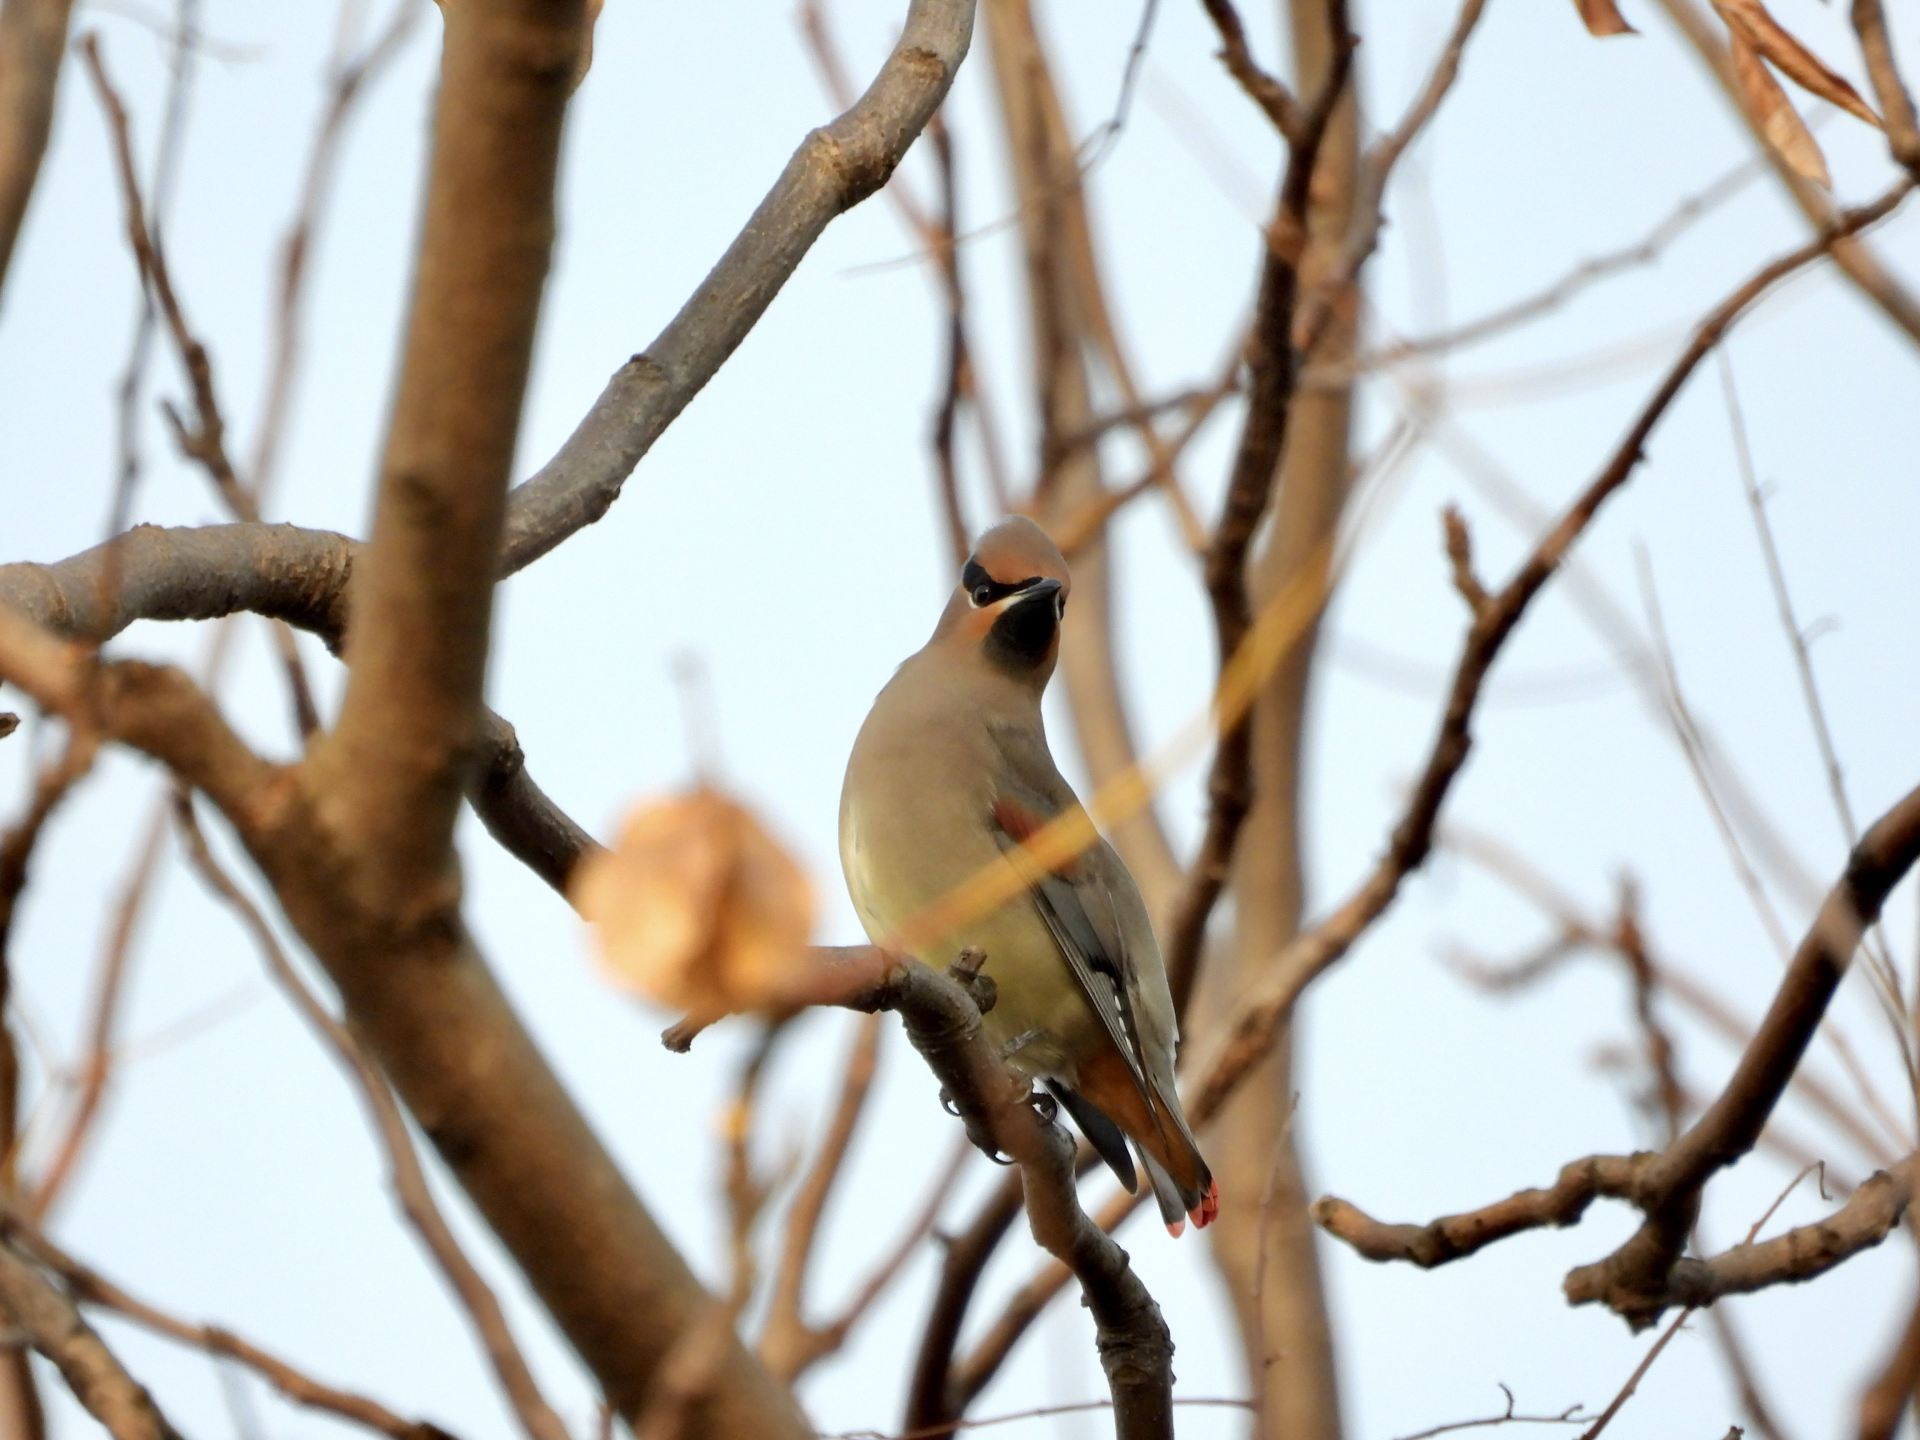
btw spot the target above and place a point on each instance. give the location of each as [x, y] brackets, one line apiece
[949, 774]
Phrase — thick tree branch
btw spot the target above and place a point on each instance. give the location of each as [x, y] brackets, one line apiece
[942, 1018]
[391, 773]
[33, 40]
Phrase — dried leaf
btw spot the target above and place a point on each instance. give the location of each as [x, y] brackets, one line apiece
[697, 908]
[1603, 17]
[1748, 20]
[1779, 122]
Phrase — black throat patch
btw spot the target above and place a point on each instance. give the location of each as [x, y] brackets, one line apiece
[1022, 637]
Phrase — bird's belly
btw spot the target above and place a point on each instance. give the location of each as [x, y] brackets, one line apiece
[1039, 1018]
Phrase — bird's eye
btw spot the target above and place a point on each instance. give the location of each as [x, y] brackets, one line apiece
[982, 595]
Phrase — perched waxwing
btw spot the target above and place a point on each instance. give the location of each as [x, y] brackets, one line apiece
[949, 775]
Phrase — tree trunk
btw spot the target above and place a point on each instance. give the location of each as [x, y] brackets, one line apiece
[1263, 1242]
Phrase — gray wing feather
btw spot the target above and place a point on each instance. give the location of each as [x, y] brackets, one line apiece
[1098, 967]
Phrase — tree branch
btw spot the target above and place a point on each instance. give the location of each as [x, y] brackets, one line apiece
[1248, 1032]
[1273, 367]
[1637, 1278]
[90, 1287]
[53, 1327]
[1646, 1274]
[33, 39]
[391, 773]
[942, 1017]
[835, 168]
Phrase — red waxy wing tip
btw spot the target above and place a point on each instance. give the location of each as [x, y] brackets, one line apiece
[1208, 1210]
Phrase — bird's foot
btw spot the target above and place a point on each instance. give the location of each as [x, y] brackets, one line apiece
[1044, 1106]
[966, 972]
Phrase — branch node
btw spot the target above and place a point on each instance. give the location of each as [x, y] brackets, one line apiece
[1460, 556]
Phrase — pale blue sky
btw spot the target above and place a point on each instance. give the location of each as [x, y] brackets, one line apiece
[784, 532]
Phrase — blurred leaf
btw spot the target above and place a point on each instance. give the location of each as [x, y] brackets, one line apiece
[697, 908]
[1748, 20]
[1779, 122]
[1603, 17]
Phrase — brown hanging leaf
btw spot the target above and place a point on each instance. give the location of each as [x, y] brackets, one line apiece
[697, 908]
[1779, 122]
[1748, 20]
[1603, 17]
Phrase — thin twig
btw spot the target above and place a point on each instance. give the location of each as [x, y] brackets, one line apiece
[205, 440]
[90, 1287]
[53, 1326]
[1248, 1031]
[409, 1180]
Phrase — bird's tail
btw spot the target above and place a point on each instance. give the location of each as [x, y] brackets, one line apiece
[1181, 1181]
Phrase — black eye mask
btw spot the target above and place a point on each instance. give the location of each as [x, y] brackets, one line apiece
[985, 590]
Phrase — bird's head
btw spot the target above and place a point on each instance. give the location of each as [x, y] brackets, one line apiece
[1010, 600]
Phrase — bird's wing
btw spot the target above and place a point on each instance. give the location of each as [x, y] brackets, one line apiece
[1078, 905]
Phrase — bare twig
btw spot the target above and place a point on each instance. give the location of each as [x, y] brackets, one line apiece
[205, 440]
[1569, 1416]
[1264, 89]
[1551, 297]
[53, 1327]
[90, 1287]
[1646, 1274]
[1689, 992]
[1669, 1192]
[1376, 169]
[790, 1345]
[1248, 1031]
[1887, 981]
[1273, 365]
[409, 1180]
[835, 168]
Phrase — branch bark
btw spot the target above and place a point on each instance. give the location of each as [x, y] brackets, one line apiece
[1248, 1034]
[52, 1326]
[1264, 1244]
[1646, 1275]
[835, 168]
[33, 41]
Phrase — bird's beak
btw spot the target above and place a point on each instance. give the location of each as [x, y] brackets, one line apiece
[1040, 590]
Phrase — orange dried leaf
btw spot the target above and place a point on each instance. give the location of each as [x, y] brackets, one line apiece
[1603, 17]
[1779, 122]
[1748, 20]
[697, 907]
